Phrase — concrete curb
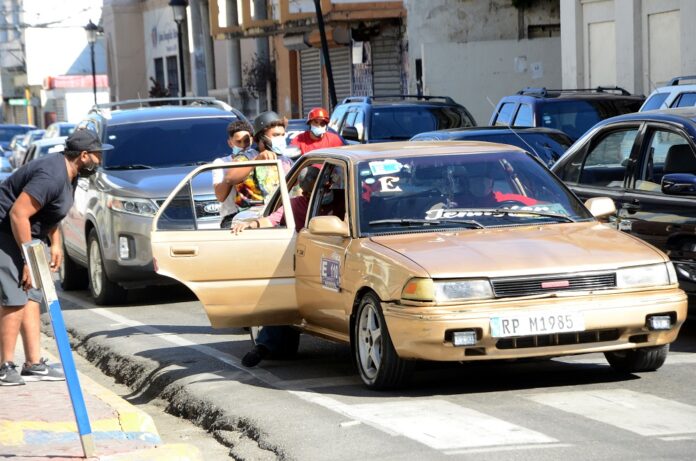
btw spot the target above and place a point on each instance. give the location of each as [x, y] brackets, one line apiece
[170, 452]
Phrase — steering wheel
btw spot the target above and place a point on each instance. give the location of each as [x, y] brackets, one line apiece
[509, 203]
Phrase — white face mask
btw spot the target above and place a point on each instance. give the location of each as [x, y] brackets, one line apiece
[237, 150]
[318, 131]
[279, 144]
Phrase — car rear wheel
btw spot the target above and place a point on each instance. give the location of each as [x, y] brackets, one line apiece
[72, 275]
[378, 363]
[637, 360]
[103, 290]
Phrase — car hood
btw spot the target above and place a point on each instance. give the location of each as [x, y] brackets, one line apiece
[505, 252]
[156, 183]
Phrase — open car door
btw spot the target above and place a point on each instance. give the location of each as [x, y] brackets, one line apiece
[241, 279]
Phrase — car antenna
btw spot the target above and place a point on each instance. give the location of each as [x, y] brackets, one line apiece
[497, 112]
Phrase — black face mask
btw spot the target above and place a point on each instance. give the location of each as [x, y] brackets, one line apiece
[87, 170]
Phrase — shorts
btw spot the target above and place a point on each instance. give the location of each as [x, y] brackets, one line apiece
[11, 265]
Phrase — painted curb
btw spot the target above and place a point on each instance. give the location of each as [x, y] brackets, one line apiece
[170, 452]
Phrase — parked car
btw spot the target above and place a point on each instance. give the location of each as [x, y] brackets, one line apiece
[21, 148]
[372, 119]
[44, 146]
[59, 129]
[546, 144]
[107, 231]
[571, 111]
[675, 94]
[9, 131]
[407, 254]
[5, 168]
[646, 162]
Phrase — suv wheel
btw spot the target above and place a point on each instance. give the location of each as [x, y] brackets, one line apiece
[72, 275]
[103, 290]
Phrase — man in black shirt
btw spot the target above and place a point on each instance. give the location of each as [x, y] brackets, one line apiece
[33, 201]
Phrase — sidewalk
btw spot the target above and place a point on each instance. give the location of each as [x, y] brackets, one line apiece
[37, 422]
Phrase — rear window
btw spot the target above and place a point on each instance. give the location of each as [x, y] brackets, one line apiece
[402, 123]
[167, 142]
[576, 117]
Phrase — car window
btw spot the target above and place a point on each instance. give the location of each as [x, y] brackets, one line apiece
[337, 117]
[572, 117]
[329, 197]
[685, 100]
[8, 132]
[504, 117]
[402, 123]
[605, 164]
[663, 144]
[167, 142]
[524, 116]
[655, 101]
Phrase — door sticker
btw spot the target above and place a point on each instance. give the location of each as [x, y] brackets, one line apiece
[329, 273]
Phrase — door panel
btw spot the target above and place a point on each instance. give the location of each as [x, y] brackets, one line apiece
[241, 279]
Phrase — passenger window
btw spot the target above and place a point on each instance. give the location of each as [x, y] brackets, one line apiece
[337, 117]
[330, 197]
[685, 100]
[505, 114]
[668, 152]
[524, 116]
[605, 165]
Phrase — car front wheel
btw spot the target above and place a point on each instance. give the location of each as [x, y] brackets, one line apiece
[637, 360]
[378, 363]
[103, 290]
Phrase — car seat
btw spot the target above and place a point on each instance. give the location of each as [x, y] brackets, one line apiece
[680, 159]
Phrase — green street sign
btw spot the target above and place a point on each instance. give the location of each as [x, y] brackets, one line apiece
[18, 102]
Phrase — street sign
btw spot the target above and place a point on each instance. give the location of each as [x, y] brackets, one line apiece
[18, 102]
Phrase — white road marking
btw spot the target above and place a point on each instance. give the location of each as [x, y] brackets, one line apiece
[636, 412]
[673, 358]
[678, 438]
[444, 425]
[508, 448]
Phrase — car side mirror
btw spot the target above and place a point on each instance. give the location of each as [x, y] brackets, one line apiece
[329, 225]
[679, 184]
[601, 207]
[350, 133]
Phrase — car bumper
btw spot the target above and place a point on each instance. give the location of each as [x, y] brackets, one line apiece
[612, 322]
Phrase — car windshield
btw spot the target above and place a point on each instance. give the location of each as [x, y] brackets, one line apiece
[167, 142]
[401, 123]
[9, 132]
[576, 117]
[435, 192]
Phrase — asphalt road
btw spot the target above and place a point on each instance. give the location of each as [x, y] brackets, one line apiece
[314, 407]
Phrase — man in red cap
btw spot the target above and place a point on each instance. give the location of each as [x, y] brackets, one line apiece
[317, 136]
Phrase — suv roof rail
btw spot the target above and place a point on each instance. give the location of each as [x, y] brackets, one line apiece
[676, 80]
[544, 92]
[369, 99]
[146, 102]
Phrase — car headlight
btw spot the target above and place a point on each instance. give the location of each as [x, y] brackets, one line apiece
[646, 276]
[428, 290]
[136, 206]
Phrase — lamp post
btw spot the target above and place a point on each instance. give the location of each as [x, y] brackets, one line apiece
[179, 10]
[91, 30]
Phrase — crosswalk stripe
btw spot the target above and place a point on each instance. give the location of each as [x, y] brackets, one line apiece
[642, 414]
[672, 359]
[444, 425]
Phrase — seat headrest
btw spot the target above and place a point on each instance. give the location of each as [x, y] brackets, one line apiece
[680, 159]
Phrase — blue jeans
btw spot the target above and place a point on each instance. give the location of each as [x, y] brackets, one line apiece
[277, 339]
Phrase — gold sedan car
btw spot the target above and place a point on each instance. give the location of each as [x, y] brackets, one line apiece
[451, 251]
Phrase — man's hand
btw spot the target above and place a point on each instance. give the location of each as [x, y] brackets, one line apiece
[26, 278]
[56, 257]
[266, 155]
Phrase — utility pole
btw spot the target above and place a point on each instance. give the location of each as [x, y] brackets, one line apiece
[325, 51]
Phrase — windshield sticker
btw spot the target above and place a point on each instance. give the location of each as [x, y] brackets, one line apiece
[383, 167]
[329, 271]
[388, 184]
[454, 213]
[370, 181]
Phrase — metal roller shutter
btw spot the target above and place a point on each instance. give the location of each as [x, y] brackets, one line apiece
[386, 62]
[342, 71]
[310, 79]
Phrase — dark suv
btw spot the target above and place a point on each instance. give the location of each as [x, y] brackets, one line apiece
[107, 231]
[369, 119]
[571, 111]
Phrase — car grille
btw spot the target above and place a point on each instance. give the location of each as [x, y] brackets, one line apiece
[518, 286]
[558, 339]
[206, 207]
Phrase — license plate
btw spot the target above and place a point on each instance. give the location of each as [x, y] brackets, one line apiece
[536, 324]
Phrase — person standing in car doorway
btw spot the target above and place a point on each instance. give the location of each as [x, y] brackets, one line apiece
[317, 136]
[33, 201]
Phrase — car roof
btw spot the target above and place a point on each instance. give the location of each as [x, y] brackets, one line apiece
[50, 141]
[552, 97]
[361, 152]
[679, 115]
[17, 125]
[159, 113]
[486, 130]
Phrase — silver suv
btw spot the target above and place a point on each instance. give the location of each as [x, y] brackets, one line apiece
[106, 233]
[676, 94]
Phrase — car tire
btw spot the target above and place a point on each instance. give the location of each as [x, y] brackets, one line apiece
[378, 364]
[103, 290]
[291, 342]
[638, 360]
[72, 275]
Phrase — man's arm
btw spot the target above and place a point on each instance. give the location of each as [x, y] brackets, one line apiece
[24, 208]
[56, 248]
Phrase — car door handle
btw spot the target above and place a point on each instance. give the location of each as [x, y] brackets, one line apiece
[183, 251]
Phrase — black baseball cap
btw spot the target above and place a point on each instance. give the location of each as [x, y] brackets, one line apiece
[85, 140]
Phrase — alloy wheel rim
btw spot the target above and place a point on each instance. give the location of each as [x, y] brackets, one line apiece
[370, 341]
[95, 267]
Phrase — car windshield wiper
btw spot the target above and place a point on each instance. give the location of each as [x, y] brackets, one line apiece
[509, 211]
[422, 222]
[133, 166]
